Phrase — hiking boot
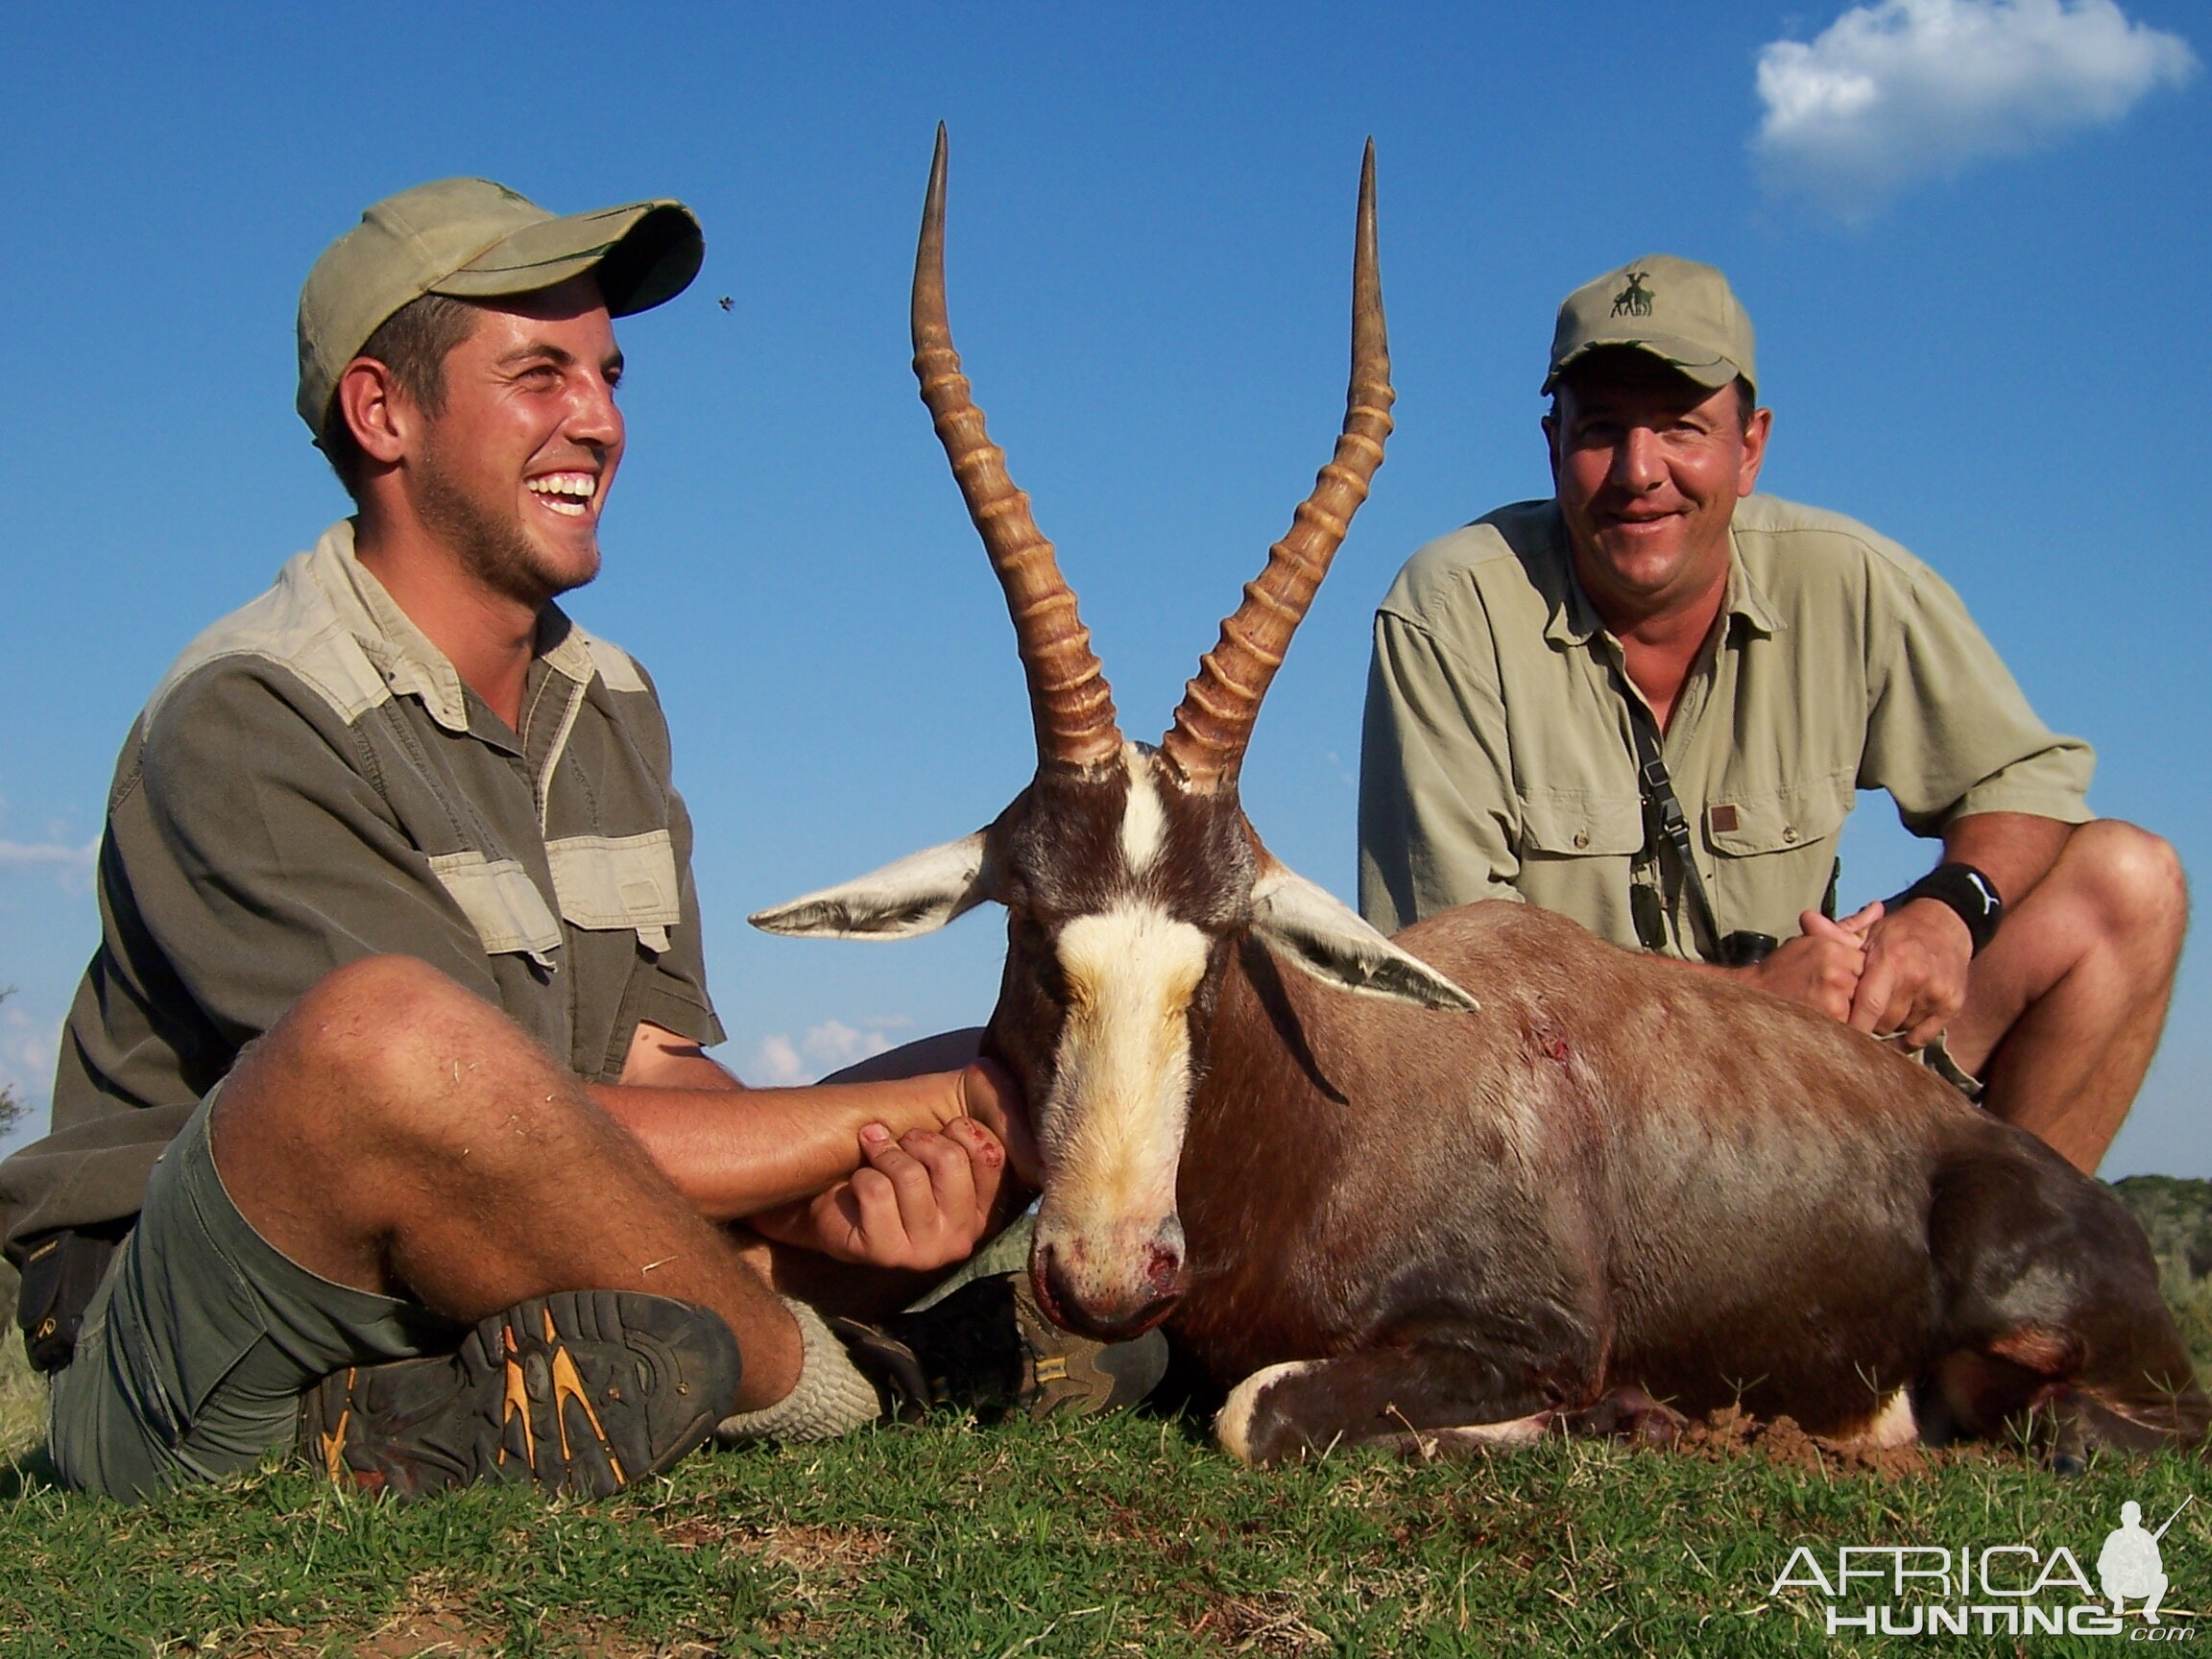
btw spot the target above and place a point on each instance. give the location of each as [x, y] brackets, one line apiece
[988, 1349]
[581, 1392]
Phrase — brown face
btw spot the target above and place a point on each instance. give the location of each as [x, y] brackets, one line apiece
[513, 470]
[1123, 892]
[1648, 466]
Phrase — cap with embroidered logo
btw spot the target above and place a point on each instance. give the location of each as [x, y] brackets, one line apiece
[1677, 310]
[472, 239]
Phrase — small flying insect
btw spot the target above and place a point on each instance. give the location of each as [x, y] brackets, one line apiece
[725, 301]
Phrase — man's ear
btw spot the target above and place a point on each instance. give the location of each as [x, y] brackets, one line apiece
[1756, 432]
[1321, 935]
[372, 404]
[918, 894]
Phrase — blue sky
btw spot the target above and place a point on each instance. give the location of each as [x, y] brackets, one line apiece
[1973, 234]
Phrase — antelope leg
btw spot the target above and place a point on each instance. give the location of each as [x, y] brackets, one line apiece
[1428, 1401]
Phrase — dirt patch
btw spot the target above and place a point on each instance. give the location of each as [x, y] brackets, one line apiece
[1732, 1432]
[839, 1551]
[419, 1634]
[1268, 1623]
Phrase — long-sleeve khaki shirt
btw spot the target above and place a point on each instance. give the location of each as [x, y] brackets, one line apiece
[312, 783]
[1497, 761]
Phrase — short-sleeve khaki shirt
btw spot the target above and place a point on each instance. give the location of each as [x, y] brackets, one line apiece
[1498, 760]
[311, 783]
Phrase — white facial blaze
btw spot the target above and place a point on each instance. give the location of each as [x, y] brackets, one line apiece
[1113, 1129]
[1143, 820]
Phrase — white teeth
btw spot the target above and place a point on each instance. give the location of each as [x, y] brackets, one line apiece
[554, 485]
[581, 484]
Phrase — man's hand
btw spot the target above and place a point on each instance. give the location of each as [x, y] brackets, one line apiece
[923, 1200]
[1821, 967]
[990, 1098]
[1915, 975]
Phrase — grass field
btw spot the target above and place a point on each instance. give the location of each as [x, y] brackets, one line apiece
[1128, 1536]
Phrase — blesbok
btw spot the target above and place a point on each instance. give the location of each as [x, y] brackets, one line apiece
[1494, 1175]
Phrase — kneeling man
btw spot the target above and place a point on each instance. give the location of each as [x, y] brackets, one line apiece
[1648, 703]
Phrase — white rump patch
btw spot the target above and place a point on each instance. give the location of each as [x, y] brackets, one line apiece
[1143, 820]
[1113, 1128]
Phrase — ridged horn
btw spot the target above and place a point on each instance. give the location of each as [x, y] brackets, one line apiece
[1068, 697]
[1206, 744]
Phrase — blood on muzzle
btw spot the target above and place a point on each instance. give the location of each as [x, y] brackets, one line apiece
[1137, 1288]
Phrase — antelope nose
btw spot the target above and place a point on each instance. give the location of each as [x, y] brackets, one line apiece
[1110, 1307]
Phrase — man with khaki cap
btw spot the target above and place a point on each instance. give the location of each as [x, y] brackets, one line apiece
[383, 1124]
[1648, 703]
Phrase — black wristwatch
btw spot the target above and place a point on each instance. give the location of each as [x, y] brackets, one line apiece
[1970, 893]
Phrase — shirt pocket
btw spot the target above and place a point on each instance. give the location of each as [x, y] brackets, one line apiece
[1774, 851]
[501, 902]
[1581, 825]
[608, 882]
[1751, 823]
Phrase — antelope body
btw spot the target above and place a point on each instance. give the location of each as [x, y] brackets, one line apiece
[1494, 1175]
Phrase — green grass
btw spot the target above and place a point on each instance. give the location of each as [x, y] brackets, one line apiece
[1132, 1535]
[1128, 1536]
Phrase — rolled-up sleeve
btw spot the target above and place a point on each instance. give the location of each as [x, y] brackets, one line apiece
[672, 992]
[1949, 732]
[1437, 807]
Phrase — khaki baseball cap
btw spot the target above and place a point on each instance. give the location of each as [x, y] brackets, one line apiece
[472, 239]
[1679, 311]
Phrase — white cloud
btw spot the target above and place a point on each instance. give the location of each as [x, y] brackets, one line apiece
[56, 855]
[1901, 90]
[779, 1063]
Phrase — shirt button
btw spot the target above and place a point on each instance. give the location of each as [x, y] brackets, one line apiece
[1581, 839]
[1790, 833]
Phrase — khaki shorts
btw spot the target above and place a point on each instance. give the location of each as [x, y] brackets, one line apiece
[195, 1350]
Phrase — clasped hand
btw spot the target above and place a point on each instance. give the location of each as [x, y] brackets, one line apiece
[1889, 975]
[924, 1198]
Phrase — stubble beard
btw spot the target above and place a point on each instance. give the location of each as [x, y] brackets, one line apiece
[493, 547]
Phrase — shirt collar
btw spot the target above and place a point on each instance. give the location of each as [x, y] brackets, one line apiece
[410, 663]
[1575, 621]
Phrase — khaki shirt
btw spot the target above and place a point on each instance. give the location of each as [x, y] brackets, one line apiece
[1497, 761]
[311, 783]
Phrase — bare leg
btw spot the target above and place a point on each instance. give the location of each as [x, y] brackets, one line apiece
[395, 1133]
[2065, 1009]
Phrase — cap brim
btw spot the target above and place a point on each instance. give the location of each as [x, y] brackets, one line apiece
[1696, 362]
[644, 255]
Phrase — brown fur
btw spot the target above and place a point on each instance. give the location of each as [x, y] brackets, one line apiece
[1619, 1175]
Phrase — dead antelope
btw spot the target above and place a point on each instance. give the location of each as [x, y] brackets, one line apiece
[1493, 1175]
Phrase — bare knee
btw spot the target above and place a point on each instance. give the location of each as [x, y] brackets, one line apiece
[374, 1046]
[2132, 885]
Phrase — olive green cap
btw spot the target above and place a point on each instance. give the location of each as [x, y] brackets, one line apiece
[472, 239]
[1677, 310]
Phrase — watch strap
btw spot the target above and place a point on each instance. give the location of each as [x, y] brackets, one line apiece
[1970, 895]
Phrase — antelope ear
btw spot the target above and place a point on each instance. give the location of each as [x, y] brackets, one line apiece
[1320, 934]
[918, 894]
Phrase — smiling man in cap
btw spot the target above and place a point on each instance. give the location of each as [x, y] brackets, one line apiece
[1648, 703]
[383, 1124]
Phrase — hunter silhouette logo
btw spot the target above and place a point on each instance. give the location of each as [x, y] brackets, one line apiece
[1635, 300]
[1988, 1589]
[2128, 1564]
